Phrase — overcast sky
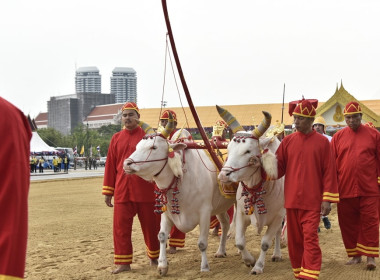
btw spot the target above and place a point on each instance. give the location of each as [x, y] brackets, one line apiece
[232, 52]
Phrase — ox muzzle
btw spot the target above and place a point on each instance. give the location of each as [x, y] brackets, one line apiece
[127, 166]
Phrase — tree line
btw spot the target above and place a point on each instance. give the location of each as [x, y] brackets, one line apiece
[81, 136]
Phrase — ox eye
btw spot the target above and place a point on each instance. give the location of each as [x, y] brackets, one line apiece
[248, 152]
[154, 147]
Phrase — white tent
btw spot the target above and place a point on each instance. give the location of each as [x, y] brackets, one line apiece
[38, 146]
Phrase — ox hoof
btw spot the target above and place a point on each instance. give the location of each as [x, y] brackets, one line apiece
[249, 264]
[276, 258]
[162, 270]
[206, 269]
[220, 255]
[256, 271]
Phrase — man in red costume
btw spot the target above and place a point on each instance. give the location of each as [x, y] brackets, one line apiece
[306, 160]
[357, 154]
[370, 124]
[177, 237]
[132, 195]
[14, 189]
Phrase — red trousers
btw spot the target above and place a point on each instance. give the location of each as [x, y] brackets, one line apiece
[177, 238]
[215, 223]
[359, 224]
[304, 251]
[122, 230]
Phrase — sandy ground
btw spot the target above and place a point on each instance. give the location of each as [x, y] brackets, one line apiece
[70, 237]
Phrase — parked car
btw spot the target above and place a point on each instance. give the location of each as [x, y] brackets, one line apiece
[102, 161]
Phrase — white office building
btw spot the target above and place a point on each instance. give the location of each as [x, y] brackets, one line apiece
[124, 84]
[88, 80]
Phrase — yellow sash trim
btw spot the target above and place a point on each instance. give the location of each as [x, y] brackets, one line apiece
[123, 256]
[331, 194]
[107, 192]
[296, 269]
[366, 247]
[330, 199]
[7, 277]
[177, 240]
[310, 271]
[152, 254]
[308, 275]
[351, 250]
[182, 244]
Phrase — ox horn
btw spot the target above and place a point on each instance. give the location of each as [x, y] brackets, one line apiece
[229, 119]
[169, 126]
[263, 126]
[146, 127]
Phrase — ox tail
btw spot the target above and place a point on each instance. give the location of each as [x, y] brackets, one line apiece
[229, 119]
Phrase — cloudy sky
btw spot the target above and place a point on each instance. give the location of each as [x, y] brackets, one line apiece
[232, 52]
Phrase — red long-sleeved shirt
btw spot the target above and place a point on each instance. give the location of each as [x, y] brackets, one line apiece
[357, 155]
[14, 189]
[310, 175]
[125, 188]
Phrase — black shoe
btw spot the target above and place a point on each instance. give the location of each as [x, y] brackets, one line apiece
[326, 222]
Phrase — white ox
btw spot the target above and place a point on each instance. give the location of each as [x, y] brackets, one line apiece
[249, 155]
[198, 197]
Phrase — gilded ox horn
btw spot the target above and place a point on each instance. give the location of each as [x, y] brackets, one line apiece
[169, 126]
[229, 119]
[263, 126]
[146, 127]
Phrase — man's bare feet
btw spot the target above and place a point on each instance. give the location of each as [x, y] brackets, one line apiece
[153, 262]
[371, 265]
[354, 260]
[172, 250]
[121, 268]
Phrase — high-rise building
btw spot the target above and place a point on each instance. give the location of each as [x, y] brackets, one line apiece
[88, 80]
[65, 112]
[124, 84]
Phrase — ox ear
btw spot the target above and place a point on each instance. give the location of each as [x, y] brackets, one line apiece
[178, 146]
[255, 161]
[269, 161]
[175, 160]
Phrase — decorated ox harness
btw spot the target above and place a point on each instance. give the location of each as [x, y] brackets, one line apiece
[253, 195]
[161, 194]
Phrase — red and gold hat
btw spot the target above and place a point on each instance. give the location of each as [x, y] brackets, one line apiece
[165, 115]
[130, 106]
[293, 104]
[304, 108]
[352, 108]
[370, 124]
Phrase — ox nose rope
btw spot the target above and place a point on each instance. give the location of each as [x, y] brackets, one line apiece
[241, 138]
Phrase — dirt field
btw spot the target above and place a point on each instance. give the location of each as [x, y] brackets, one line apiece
[70, 237]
